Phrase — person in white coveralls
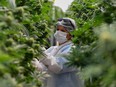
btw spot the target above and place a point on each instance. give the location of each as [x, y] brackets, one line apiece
[61, 75]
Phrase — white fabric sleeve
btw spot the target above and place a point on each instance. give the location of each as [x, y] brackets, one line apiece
[39, 65]
[51, 64]
[57, 65]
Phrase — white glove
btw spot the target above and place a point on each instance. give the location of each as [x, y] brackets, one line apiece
[51, 63]
[38, 65]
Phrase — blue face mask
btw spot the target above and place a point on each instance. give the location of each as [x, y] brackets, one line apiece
[60, 36]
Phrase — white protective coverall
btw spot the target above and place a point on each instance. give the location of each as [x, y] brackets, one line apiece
[60, 74]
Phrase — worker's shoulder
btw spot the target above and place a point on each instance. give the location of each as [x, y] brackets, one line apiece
[66, 48]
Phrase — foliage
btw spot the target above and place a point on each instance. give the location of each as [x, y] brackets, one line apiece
[25, 25]
[95, 41]
[24, 31]
[89, 14]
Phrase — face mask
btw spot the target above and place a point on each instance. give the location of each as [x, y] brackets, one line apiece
[60, 36]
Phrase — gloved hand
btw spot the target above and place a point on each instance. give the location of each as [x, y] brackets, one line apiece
[38, 65]
[48, 59]
[51, 63]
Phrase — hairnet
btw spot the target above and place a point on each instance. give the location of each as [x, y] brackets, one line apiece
[68, 23]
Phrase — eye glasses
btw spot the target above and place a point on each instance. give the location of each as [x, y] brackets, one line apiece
[66, 21]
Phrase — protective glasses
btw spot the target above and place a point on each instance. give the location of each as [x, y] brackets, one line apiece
[67, 22]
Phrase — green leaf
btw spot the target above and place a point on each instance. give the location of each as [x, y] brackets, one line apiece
[4, 57]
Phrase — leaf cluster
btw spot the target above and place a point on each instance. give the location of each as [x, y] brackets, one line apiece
[24, 31]
[95, 41]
